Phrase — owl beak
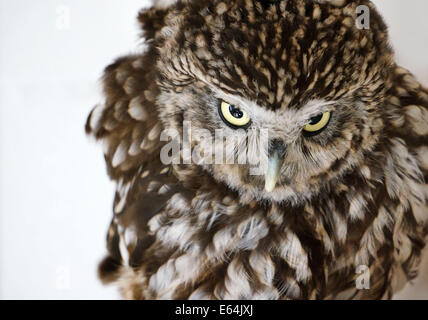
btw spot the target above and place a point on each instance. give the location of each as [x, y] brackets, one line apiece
[275, 161]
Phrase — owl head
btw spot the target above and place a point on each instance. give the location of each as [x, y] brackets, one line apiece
[300, 83]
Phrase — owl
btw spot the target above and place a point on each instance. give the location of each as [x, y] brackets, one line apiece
[330, 201]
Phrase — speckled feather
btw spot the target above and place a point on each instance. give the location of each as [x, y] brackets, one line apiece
[355, 195]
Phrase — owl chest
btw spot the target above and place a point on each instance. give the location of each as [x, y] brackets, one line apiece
[245, 252]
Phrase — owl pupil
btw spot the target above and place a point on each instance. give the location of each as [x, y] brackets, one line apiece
[316, 119]
[235, 112]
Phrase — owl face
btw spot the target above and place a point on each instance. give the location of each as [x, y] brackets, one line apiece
[297, 84]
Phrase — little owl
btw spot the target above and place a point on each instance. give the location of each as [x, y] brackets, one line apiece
[338, 209]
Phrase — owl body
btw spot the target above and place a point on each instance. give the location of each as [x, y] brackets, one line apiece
[348, 200]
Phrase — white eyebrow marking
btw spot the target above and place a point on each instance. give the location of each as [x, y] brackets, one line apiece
[315, 107]
[309, 110]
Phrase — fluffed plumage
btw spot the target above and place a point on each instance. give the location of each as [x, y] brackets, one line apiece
[353, 195]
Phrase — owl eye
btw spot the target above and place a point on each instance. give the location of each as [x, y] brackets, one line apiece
[233, 116]
[317, 124]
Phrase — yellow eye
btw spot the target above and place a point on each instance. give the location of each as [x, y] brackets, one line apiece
[233, 116]
[317, 124]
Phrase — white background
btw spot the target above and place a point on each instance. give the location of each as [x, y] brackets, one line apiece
[55, 197]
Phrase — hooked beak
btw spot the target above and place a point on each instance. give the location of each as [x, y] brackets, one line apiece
[275, 161]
